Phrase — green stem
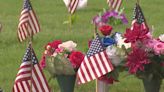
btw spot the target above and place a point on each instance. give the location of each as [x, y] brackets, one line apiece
[70, 22]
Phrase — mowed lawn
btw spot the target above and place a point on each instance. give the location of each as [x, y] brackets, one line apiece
[52, 14]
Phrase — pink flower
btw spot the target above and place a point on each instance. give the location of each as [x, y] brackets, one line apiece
[156, 45]
[59, 50]
[136, 60]
[159, 48]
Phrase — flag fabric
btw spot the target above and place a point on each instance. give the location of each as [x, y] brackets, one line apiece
[114, 4]
[73, 6]
[81, 4]
[30, 77]
[138, 17]
[28, 22]
[95, 63]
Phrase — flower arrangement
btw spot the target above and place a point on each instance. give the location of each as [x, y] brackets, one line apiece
[110, 17]
[61, 58]
[113, 44]
[146, 57]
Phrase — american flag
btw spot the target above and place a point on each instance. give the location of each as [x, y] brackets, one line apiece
[28, 23]
[138, 17]
[114, 4]
[95, 63]
[30, 77]
[73, 6]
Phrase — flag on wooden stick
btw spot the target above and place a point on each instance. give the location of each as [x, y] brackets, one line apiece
[95, 64]
[30, 77]
[114, 4]
[28, 22]
[138, 17]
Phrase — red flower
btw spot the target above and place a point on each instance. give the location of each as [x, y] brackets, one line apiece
[55, 43]
[108, 80]
[106, 29]
[51, 47]
[76, 58]
[138, 33]
[136, 60]
[43, 62]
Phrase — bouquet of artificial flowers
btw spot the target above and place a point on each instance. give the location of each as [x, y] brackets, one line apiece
[114, 44]
[146, 58]
[61, 58]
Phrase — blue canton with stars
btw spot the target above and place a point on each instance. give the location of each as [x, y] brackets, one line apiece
[95, 47]
[30, 55]
[135, 12]
[27, 5]
[138, 14]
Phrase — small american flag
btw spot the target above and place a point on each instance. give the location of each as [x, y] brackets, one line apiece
[114, 4]
[95, 64]
[138, 17]
[30, 77]
[28, 23]
[73, 6]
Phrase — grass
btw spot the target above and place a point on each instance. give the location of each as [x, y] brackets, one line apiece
[51, 14]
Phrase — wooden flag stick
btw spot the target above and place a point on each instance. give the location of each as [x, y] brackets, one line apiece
[30, 43]
[95, 31]
[101, 86]
[94, 34]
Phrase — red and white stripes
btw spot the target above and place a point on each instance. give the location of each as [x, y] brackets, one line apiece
[114, 4]
[28, 24]
[72, 6]
[26, 81]
[94, 67]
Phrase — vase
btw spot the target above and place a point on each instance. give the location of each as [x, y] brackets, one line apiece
[66, 82]
[152, 85]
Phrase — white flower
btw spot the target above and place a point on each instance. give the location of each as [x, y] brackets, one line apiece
[161, 37]
[112, 55]
[81, 4]
[68, 45]
[120, 41]
[111, 50]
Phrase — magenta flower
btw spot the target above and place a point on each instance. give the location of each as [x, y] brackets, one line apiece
[107, 15]
[138, 33]
[136, 60]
